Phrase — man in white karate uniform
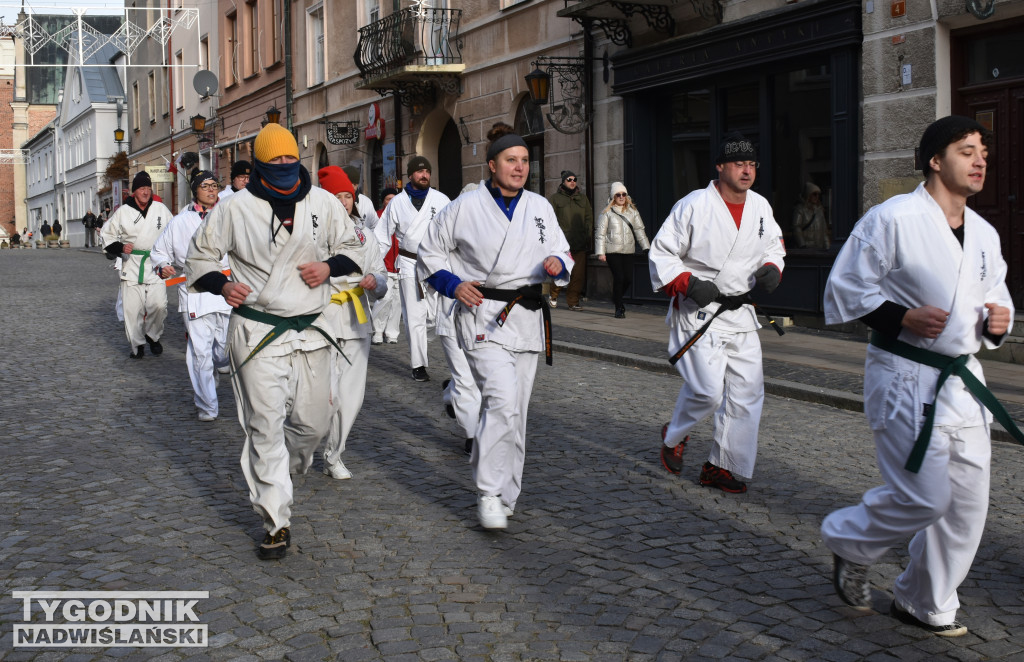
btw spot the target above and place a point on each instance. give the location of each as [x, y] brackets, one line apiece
[491, 250]
[926, 273]
[284, 239]
[387, 310]
[407, 217]
[715, 246]
[129, 234]
[350, 319]
[206, 315]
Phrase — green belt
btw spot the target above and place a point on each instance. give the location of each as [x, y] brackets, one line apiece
[281, 324]
[142, 265]
[947, 365]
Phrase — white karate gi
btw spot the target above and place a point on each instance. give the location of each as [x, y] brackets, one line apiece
[401, 219]
[904, 251]
[349, 381]
[283, 393]
[206, 315]
[477, 240]
[722, 372]
[143, 294]
[387, 311]
[462, 393]
[366, 210]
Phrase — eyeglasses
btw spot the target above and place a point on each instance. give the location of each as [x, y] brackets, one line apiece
[620, 195]
[210, 186]
[570, 179]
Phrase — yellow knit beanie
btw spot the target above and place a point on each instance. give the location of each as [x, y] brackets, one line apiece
[273, 141]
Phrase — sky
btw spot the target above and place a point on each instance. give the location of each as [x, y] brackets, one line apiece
[9, 8]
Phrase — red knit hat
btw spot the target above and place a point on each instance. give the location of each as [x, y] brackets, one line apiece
[334, 180]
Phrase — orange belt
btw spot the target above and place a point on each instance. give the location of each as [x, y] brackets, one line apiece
[181, 279]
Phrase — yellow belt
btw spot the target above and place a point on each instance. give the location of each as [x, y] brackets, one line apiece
[352, 295]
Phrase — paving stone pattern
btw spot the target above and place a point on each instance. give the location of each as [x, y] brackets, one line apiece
[110, 483]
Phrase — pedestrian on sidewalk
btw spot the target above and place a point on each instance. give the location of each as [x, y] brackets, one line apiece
[576, 218]
[129, 234]
[717, 244]
[491, 249]
[57, 228]
[205, 315]
[284, 239]
[617, 226]
[89, 223]
[926, 273]
[45, 230]
[348, 317]
[387, 311]
[407, 217]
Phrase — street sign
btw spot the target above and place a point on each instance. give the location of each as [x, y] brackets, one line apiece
[159, 174]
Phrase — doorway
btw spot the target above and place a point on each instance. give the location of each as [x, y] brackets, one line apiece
[449, 161]
[989, 87]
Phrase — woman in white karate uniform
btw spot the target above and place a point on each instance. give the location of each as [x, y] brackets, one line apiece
[500, 243]
[349, 318]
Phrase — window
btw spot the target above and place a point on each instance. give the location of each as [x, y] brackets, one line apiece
[136, 106]
[151, 95]
[277, 47]
[204, 52]
[252, 53]
[179, 80]
[315, 39]
[372, 11]
[231, 50]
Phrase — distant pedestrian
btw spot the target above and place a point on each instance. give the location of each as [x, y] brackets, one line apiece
[45, 230]
[89, 225]
[491, 249]
[576, 218]
[57, 228]
[720, 240]
[618, 233]
[926, 273]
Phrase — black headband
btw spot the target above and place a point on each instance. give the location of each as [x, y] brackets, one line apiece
[503, 143]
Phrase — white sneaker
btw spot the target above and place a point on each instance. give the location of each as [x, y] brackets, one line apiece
[206, 418]
[337, 471]
[224, 369]
[505, 509]
[490, 511]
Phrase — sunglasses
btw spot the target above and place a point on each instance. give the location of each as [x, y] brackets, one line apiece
[570, 179]
[620, 195]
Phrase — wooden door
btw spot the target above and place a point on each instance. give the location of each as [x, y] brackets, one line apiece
[1001, 203]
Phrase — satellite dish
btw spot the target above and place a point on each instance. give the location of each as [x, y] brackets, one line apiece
[205, 83]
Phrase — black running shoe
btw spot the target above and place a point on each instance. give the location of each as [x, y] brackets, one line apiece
[469, 446]
[420, 374]
[850, 581]
[672, 458]
[954, 629]
[275, 546]
[139, 352]
[155, 346]
[712, 476]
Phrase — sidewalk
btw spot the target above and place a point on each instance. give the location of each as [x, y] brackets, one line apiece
[823, 367]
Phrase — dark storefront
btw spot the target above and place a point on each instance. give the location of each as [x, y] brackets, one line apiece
[789, 80]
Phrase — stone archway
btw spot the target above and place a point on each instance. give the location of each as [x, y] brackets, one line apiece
[440, 142]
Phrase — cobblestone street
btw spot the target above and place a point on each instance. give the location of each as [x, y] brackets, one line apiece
[110, 483]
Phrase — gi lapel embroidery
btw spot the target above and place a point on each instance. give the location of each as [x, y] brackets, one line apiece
[540, 227]
[984, 269]
[433, 211]
[314, 219]
[760, 232]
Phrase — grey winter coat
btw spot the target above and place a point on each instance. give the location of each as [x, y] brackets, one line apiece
[615, 231]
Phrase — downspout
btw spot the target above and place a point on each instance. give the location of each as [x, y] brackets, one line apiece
[399, 152]
[170, 108]
[588, 83]
[288, 98]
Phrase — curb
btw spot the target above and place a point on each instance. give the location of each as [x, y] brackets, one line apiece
[779, 387]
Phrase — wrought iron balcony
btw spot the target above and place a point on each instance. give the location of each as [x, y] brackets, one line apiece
[410, 53]
[664, 16]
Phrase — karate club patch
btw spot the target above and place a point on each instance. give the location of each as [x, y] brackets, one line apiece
[362, 237]
[480, 337]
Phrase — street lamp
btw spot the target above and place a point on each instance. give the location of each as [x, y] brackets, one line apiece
[538, 82]
[198, 123]
[273, 115]
[119, 137]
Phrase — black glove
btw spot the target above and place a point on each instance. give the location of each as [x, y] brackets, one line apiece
[767, 278]
[702, 292]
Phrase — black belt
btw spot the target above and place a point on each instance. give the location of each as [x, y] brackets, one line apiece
[529, 297]
[726, 302]
[408, 254]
